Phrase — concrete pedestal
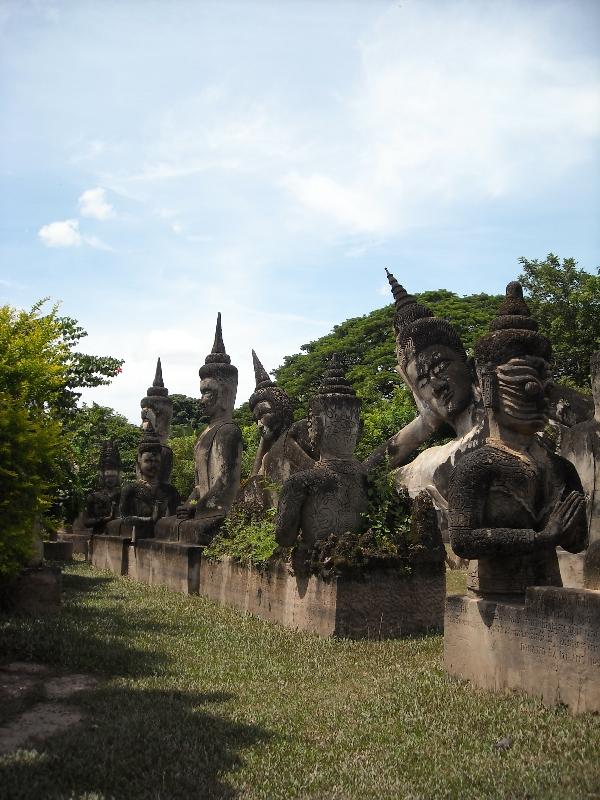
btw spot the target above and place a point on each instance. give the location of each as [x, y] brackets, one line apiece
[109, 552]
[58, 551]
[381, 604]
[165, 564]
[548, 646]
[80, 541]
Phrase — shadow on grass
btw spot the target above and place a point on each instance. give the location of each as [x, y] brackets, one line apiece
[133, 744]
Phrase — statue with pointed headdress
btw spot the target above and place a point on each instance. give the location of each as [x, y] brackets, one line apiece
[330, 497]
[148, 498]
[157, 410]
[512, 501]
[217, 454]
[102, 504]
[283, 448]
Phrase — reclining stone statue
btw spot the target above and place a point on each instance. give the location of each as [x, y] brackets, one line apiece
[147, 499]
[217, 455]
[331, 496]
[512, 501]
[102, 505]
[157, 410]
[433, 363]
[284, 446]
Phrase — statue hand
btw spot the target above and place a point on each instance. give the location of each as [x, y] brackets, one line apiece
[184, 511]
[561, 520]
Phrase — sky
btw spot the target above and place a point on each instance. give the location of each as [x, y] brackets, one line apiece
[163, 161]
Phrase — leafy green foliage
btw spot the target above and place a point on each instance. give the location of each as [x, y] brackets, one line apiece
[248, 539]
[565, 300]
[187, 417]
[383, 418]
[183, 476]
[250, 441]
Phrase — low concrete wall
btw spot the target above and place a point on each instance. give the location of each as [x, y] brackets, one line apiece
[165, 564]
[80, 541]
[548, 647]
[109, 552]
[382, 604]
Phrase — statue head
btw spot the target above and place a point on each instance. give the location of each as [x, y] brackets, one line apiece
[157, 406]
[149, 454]
[270, 405]
[334, 415]
[595, 375]
[431, 357]
[218, 380]
[513, 362]
[110, 465]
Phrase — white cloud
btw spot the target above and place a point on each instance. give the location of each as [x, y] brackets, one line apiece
[61, 234]
[93, 203]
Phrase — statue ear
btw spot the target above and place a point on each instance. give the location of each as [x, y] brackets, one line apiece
[489, 387]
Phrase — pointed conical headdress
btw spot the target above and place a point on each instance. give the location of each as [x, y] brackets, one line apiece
[335, 389]
[416, 326]
[158, 388]
[513, 333]
[266, 389]
[217, 363]
[109, 455]
[149, 441]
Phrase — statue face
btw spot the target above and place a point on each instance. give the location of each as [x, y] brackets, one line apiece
[334, 428]
[269, 422]
[522, 403]
[210, 399]
[442, 379]
[111, 478]
[148, 416]
[149, 465]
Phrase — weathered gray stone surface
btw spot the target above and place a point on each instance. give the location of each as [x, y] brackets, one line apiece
[571, 569]
[102, 505]
[384, 604]
[109, 552]
[170, 564]
[157, 412]
[548, 646]
[80, 541]
[217, 455]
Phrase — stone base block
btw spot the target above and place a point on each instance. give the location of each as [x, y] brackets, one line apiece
[36, 591]
[166, 564]
[548, 647]
[58, 551]
[109, 552]
[80, 541]
[571, 568]
[382, 604]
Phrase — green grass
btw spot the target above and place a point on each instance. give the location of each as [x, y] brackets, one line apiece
[201, 701]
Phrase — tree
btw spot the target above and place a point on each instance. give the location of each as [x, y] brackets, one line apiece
[187, 417]
[565, 300]
[39, 374]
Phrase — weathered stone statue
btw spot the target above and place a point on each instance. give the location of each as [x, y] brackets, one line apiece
[283, 443]
[581, 446]
[512, 501]
[433, 363]
[157, 410]
[330, 497]
[147, 499]
[103, 504]
[217, 454]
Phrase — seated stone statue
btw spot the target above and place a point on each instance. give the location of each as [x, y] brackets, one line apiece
[157, 410]
[512, 501]
[102, 505]
[330, 497]
[433, 363]
[581, 446]
[217, 455]
[283, 448]
[147, 499]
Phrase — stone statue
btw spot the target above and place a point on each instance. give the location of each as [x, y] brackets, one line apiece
[283, 447]
[217, 454]
[330, 497]
[147, 499]
[581, 446]
[433, 363]
[512, 501]
[157, 410]
[102, 505]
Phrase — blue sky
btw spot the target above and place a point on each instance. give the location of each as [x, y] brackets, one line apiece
[162, 161]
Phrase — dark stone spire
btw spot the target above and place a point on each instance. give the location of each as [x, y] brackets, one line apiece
[158, 388]
[260, 373]
[334, 380]
[217, 363]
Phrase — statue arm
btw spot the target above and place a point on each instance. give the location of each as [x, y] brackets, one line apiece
[400, 447]
[289, 510]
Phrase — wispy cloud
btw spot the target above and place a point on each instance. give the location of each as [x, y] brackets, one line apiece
[93, 203]
[61, 234]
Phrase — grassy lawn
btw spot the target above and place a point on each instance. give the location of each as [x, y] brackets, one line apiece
[200, 701]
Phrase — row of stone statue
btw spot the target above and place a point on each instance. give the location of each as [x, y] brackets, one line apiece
[504, 497]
